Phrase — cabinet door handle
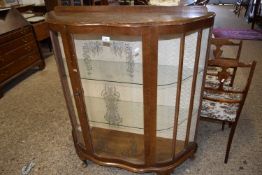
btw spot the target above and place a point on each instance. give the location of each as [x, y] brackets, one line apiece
[23, 31]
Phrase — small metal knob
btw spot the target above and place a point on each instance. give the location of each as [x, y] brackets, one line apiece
[25, 40]
[28, 48]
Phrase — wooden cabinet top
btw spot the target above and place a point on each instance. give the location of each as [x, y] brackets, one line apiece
[127, 15]
[11, 20]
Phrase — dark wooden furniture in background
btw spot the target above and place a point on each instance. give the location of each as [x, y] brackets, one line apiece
[124, 59]
[41, 30]
[19, 50]
[257, 13]
[34, 14]
[51, 4]
[254, 12]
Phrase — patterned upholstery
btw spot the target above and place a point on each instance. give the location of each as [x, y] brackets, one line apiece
[212, 81]
[218, 110]
[224, 95]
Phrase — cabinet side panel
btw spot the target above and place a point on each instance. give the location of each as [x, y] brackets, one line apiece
[201, 66]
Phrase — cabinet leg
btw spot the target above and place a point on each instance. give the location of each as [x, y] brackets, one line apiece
[1, 92]
[42, 65]
[85, 163]
[192, 157]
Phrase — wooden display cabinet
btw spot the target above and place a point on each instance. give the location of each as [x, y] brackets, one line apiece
[132, 79]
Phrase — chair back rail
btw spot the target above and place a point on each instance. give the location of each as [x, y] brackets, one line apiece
[219, 43]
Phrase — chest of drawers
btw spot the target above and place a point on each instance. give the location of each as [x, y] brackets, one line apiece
[19, 49]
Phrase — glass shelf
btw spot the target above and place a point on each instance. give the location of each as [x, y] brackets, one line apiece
[116, 72]
[129, 122]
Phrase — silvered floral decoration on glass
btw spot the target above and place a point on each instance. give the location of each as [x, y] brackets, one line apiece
[111, 97]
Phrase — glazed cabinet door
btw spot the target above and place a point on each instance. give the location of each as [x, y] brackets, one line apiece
[111, 79]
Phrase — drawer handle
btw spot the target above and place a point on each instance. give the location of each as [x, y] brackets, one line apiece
[28, 48]
[23, 31]
[25, 40]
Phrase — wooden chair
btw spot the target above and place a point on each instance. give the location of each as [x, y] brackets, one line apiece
[219, 43]
[219, 46]
[224, 103]
[239, 5]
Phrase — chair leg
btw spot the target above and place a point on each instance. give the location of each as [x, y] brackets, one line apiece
[246, 11]
[223, 125]
[239, 10]
[231, 135]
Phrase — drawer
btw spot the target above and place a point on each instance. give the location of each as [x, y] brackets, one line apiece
[13, 55]
[12, 45]
[41, 30]
[15, 34]
[18, 65]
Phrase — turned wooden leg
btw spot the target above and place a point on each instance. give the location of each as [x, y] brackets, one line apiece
[230, 125]
[223, 125]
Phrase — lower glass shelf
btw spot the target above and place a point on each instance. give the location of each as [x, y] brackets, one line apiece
[128, 116]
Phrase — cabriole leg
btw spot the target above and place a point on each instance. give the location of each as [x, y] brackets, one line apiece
[85, 163]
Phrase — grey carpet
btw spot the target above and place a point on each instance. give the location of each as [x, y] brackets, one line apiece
[34, 126]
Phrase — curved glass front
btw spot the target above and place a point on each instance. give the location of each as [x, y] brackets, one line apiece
[111, 75]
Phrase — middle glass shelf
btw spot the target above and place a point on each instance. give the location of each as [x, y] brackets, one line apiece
[117, 72]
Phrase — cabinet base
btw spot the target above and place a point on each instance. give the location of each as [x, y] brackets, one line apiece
[165, 168]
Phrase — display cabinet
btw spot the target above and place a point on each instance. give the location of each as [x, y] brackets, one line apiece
[132, 79]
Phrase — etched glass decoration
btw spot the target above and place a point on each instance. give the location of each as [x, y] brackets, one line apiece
[111, 97]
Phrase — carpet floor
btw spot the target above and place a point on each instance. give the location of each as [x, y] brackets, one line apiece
[34, 125]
